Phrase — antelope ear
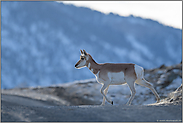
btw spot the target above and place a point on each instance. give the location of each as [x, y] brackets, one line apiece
[81, 51]
[85, 52]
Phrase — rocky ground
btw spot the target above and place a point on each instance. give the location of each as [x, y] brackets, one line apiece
[80, 101]
[165, 79]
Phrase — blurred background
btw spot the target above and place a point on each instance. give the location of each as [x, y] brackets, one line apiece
[40, 41]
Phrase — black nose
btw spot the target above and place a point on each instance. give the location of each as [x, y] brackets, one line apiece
[75, 65]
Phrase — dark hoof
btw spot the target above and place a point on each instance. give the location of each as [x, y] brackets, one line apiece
[171, 100]
[112, 102]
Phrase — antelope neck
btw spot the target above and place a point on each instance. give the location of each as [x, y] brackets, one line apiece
[93, 66]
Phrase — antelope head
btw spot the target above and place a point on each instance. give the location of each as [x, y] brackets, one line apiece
[83, 60]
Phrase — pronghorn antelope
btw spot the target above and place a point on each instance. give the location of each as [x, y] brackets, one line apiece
[115, 74]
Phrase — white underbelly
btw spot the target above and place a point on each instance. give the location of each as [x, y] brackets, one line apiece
[116, 78]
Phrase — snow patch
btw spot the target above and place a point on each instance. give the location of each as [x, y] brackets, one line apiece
[93, 38]
[172, 53]
[121, 52]
[175, 83]
[33, 28]
[140, 47]
[63, 38]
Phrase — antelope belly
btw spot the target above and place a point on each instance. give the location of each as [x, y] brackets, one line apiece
[116, 78]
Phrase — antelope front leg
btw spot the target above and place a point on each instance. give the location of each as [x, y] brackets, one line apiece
[105, 86]
[131, 85]
[105, 92]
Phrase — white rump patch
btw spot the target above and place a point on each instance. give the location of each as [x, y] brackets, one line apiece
[139, 72]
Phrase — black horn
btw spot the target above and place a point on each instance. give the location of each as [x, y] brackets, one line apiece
[85, 52]
[81, 51]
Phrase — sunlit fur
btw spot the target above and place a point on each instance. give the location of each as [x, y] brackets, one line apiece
[115, 74]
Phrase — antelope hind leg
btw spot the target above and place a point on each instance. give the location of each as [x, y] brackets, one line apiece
[144, 83]
[131, 85]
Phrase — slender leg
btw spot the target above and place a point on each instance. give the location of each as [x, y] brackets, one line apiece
[131, 85]
[105, 86]
[105, 92]
[144, 83]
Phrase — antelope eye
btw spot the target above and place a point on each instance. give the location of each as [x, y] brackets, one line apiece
[82, 58]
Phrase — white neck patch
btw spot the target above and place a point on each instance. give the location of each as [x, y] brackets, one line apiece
[89, 65]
